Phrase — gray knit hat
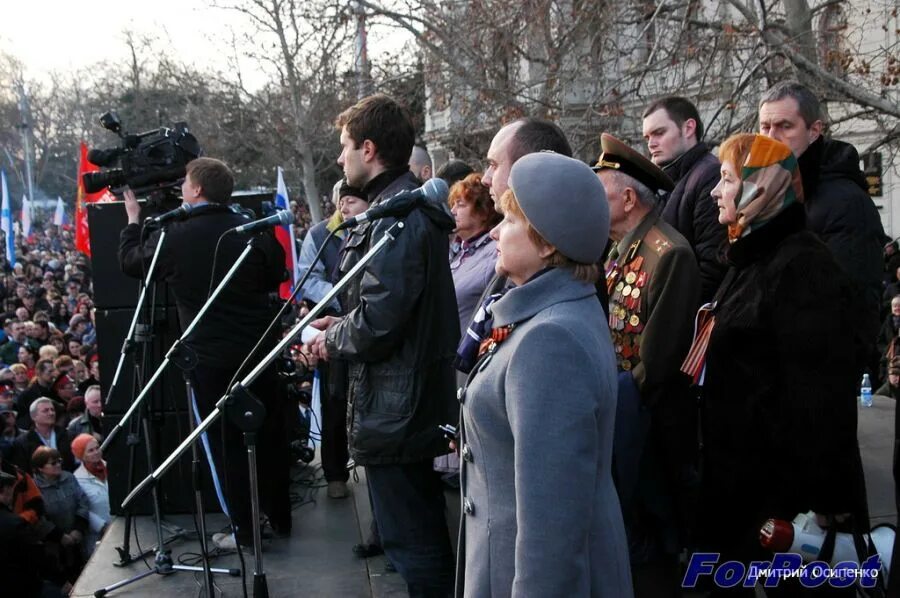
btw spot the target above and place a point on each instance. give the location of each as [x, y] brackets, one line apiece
[565, 202]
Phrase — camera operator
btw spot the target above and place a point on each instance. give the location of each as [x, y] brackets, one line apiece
[231, 326]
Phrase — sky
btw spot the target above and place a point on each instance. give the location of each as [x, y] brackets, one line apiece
[56, 35]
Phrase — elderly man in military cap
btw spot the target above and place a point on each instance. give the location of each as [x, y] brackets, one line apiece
[653, 282]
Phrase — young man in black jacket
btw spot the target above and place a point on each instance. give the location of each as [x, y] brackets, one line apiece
[673, 130]
[398, 336]
[233, 324]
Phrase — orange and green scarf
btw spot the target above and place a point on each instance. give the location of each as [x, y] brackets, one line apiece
[770, 182]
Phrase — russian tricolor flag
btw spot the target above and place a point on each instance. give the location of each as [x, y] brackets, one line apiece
[285, 236]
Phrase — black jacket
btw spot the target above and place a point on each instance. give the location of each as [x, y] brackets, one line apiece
[840, 211]
[31, 394]
[779, 395]
[27, 443]
[690, 209]
[20, 557]
[242, 312]
[399, 336]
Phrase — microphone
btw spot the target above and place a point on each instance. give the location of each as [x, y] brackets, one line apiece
[179, 213]
[282, 217]
[401, 204]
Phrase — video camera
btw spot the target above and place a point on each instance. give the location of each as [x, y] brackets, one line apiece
[149, 161]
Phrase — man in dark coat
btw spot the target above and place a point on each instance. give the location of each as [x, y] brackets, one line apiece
[673, 130]
[43, 432]
[399, 339]
[838, 207]
[234, 322]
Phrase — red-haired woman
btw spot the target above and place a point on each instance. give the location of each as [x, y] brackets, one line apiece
[473, 253]
[777, 363]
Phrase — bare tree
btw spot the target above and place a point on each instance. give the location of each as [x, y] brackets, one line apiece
[311, 39]
[594, 66]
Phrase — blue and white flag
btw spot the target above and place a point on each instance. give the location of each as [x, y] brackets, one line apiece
[59, 218]
[26, 217]
[6, 222]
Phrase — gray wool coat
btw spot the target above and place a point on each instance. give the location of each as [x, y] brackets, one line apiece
[541, 513]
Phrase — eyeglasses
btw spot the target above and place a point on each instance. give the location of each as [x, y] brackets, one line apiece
[54, 462]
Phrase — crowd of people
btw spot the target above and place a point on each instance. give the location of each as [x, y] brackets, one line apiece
[52, 474]
[604, 359]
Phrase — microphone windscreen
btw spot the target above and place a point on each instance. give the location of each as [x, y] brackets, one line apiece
[285, 217]
[436, 190]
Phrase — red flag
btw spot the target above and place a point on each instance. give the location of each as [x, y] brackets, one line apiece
[82, 235]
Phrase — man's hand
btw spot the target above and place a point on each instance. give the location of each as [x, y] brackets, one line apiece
[132, 207]
[324, 323]
[317, 345]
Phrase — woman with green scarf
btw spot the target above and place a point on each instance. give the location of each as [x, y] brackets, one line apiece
[774, 355]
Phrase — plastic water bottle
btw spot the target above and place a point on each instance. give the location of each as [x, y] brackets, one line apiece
[865, 392]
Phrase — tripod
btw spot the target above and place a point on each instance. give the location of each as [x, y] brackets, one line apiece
[247, 413]
[139, 335]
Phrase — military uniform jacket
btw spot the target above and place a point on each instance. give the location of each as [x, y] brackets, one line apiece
[654, 283]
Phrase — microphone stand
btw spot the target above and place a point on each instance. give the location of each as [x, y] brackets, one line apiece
[247, 413]
[140, 334]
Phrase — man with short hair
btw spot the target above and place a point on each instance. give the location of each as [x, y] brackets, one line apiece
[673, 132]
[518, 138]
[43, 432]
[220, 341]
[90, 421]
[398, 337]
[838, 207]
[514, 140]
[9, 352]
[42, 386]
[420, 163]
[653, 283]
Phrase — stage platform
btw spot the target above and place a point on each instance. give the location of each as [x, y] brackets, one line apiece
[315, 561]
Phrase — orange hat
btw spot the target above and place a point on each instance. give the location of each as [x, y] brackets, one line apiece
[79, 444]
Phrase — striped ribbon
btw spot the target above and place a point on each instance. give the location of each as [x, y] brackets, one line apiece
[695, 362]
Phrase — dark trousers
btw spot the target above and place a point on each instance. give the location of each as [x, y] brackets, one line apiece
[334, 429]
[408, 503]
[272, 455]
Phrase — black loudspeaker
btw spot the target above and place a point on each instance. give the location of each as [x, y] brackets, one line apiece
[112, 289]
[176, 494]
[167, 405]
[168, 393]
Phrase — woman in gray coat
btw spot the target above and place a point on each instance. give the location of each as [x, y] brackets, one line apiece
[542, 517]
